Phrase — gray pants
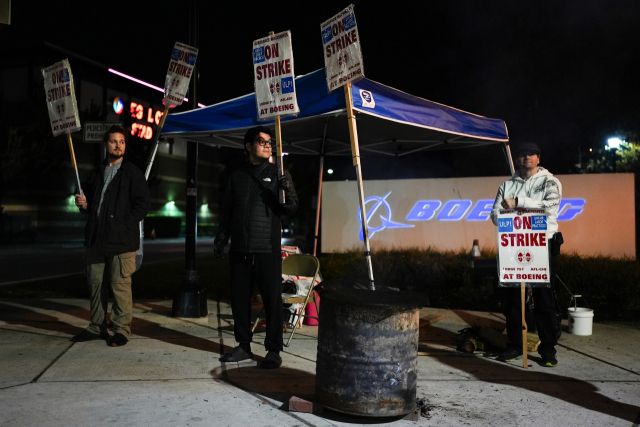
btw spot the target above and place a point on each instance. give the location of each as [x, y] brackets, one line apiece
[119, 267]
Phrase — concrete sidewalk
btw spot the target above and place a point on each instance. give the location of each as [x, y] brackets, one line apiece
[169, 374]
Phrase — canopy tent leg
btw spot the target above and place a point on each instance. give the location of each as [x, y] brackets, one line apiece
[315, 236]
[507, 154]
[355, 153]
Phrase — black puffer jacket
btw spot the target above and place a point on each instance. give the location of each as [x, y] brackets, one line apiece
[250, 209]
[125, 204]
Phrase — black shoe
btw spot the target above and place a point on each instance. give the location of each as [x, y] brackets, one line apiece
[511, 355]
[236, 355]
[89, 336]
[118, 340]
[549, 360]
[271, 361]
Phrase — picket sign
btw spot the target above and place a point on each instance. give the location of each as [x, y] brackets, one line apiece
[275, 86]
[62, 106]
[523, 255]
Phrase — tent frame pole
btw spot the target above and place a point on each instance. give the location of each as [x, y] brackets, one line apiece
[315, 236]
[507, 151]
[355, 153]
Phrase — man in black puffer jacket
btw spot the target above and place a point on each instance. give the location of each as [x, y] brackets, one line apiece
[116, 198]
[251, 218]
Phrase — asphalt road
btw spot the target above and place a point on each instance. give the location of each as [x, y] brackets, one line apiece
[24, 263]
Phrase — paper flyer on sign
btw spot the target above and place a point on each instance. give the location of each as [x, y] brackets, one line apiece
[274, 78]
[523, 253]
[342, 50]
[176, 84]
[61, 98]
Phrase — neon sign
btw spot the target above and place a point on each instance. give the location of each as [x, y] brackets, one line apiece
[144, 130]
[452, 210]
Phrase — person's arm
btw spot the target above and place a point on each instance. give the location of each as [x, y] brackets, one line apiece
[497, 205]
[140, 200]
[82, 203]
[290, 197]
[550, 201]
[224, 231]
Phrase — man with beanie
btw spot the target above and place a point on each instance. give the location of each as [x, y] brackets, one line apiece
[250, 216]
[117, 199]
[532, 187]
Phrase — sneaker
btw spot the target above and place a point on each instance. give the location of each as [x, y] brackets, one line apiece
[510, 355]
[549, 360]
[89, 336]
[236, 355]
[271, 361]
[118, 340]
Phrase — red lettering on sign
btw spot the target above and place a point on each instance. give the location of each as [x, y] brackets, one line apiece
[526, 223]
[503, 240]
[543, 239]
[517, 223]
[520, 239]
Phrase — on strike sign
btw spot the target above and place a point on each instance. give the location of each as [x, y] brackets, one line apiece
[273, 76]
[176, 84]
[61, 98]
[342, 51]
[523, 254]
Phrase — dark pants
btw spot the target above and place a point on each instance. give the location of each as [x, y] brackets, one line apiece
[266, 270]
[544, 311]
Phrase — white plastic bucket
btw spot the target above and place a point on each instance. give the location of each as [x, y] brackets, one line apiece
[580, 320]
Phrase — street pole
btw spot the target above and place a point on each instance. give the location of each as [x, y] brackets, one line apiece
[190, 299]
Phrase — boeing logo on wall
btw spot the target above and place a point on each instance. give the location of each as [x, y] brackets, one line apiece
[452, 210]
[385, 221]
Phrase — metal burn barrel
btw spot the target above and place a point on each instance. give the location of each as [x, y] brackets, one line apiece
[367, 352]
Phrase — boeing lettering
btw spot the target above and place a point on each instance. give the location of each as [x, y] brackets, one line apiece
[452, 210]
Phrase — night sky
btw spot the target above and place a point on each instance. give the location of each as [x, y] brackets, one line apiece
[562, 74]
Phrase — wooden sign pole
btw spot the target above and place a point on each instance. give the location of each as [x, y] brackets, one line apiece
[524, 326]
[355, 153]
[152, 155]
[279, 164]
[73, 161]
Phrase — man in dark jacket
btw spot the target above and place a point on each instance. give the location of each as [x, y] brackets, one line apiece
[116, 200]
[251, 217]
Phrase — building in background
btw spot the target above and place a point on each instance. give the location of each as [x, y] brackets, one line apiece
[37, 181]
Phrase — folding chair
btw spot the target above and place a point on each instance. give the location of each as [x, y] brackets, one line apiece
[299, 265]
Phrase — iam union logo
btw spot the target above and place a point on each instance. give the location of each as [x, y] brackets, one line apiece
[524, 257]
[383, 214]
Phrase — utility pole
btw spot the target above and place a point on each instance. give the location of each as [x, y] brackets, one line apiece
[190, 299]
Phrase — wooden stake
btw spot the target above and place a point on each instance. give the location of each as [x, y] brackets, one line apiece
[355, 153]
[279, 164]
[73, 161]
[524, 326]
[152, 155]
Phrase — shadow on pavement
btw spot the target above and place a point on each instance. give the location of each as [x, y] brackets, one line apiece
[281, 384]
[570, 390]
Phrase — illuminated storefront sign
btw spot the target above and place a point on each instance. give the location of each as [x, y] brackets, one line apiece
[451, 210]
[144, 129]
[118, 106]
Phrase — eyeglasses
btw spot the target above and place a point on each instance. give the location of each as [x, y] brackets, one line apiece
[263, 143]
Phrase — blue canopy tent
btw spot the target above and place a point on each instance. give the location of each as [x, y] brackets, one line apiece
[390, 122]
